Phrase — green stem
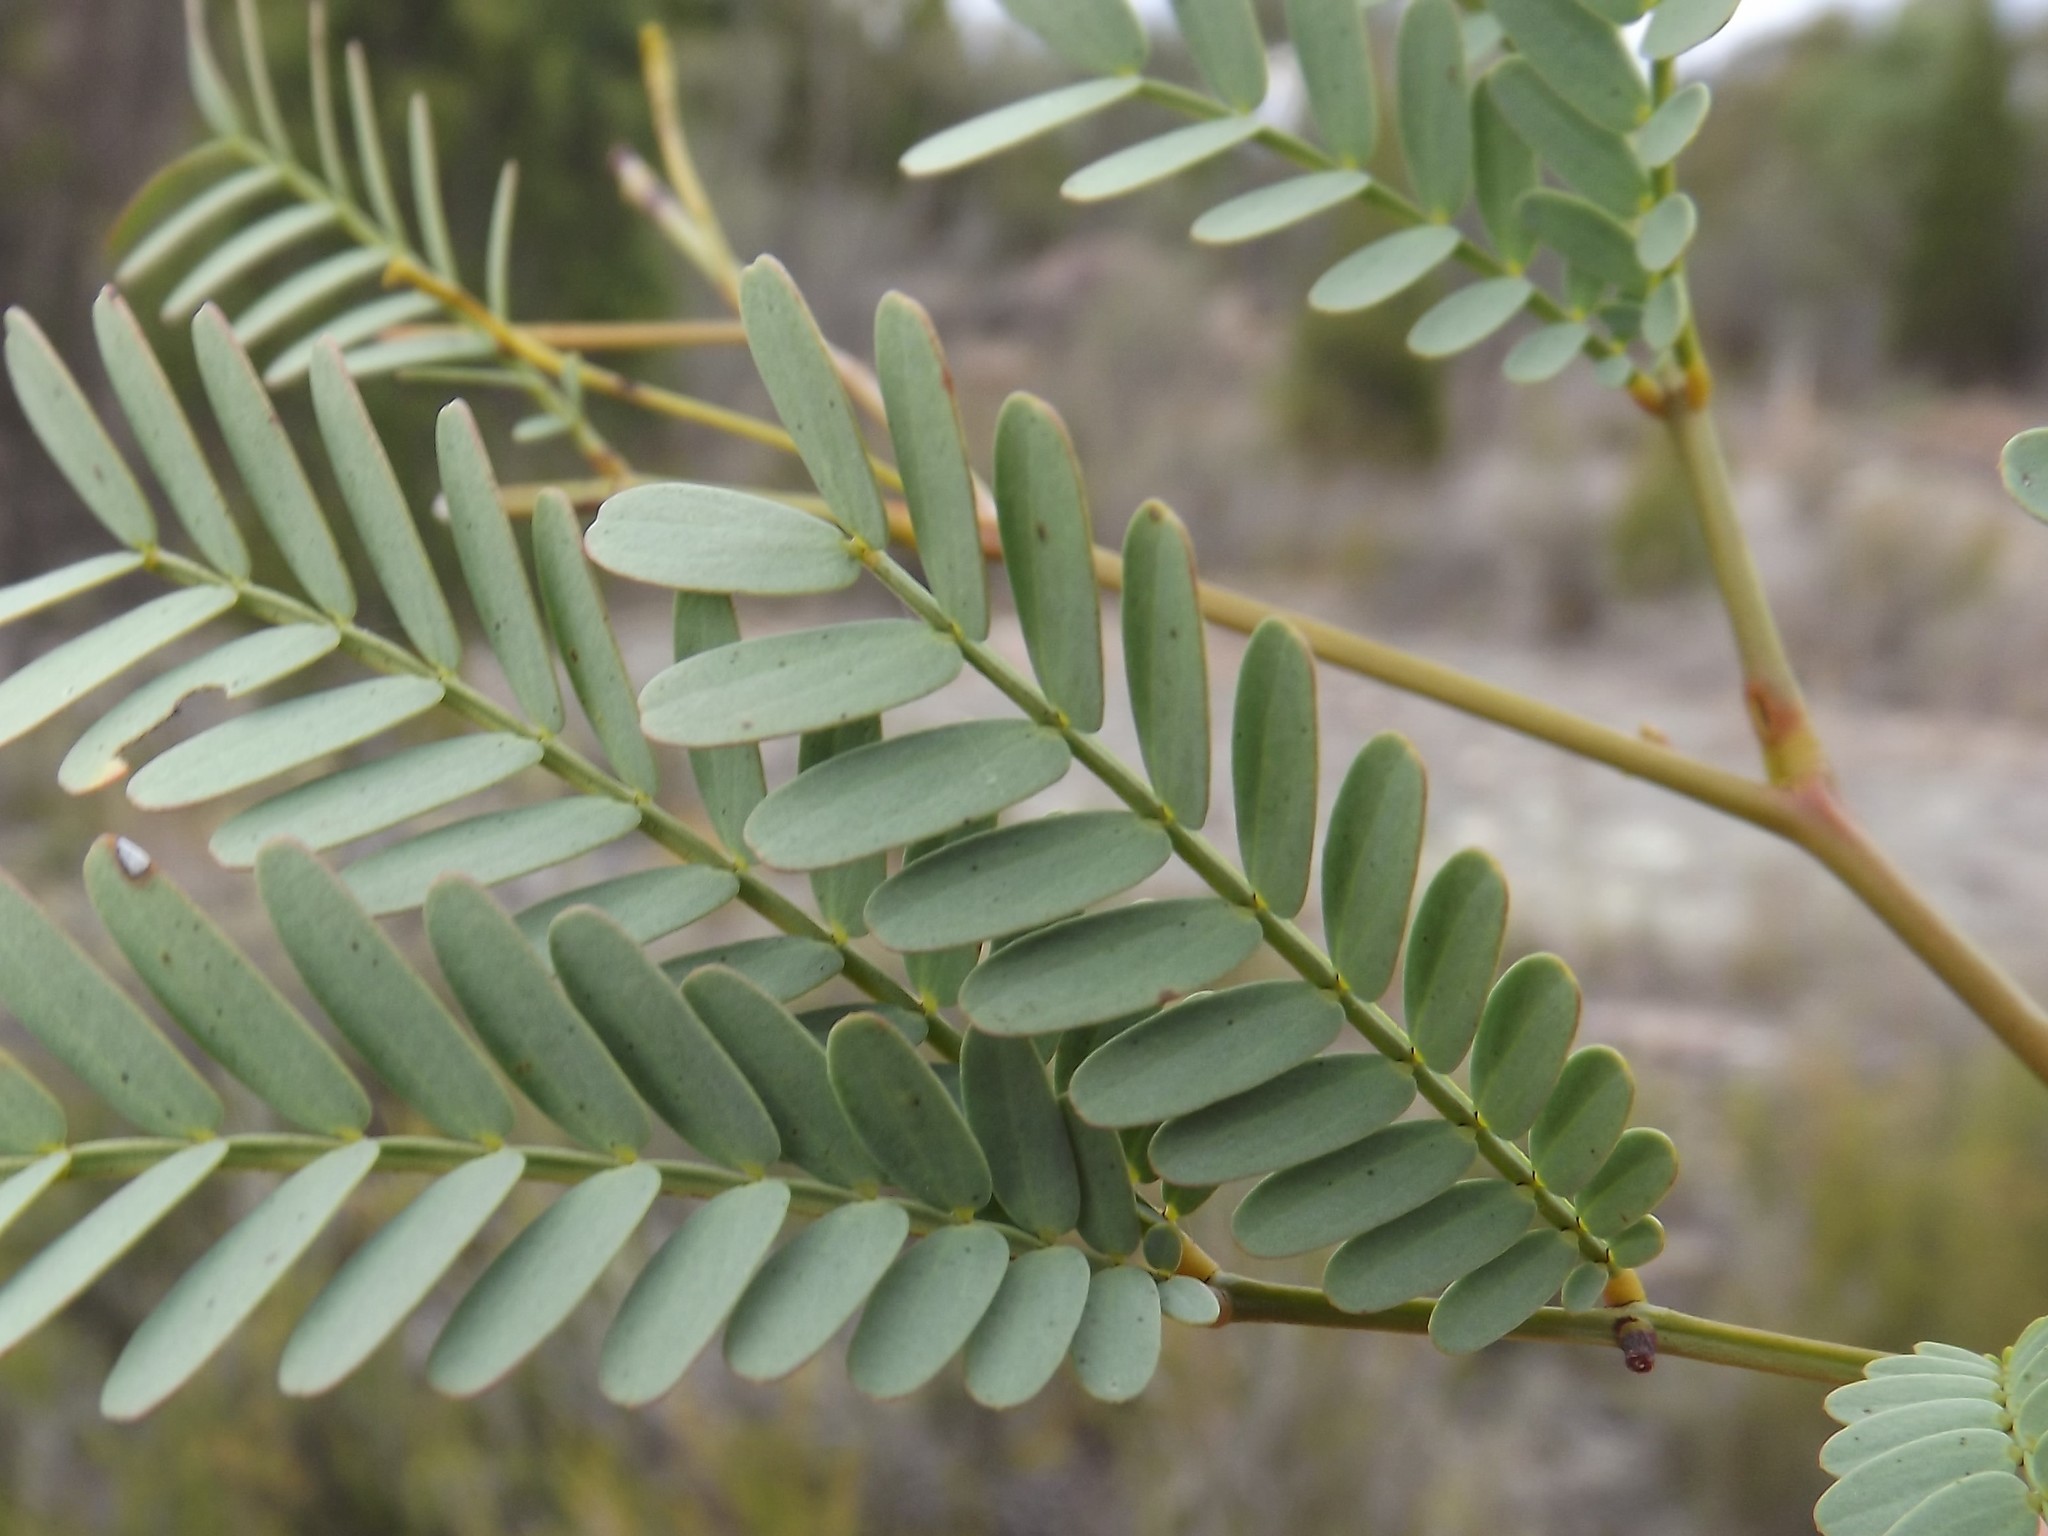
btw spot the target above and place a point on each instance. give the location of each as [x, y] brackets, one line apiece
[1679, 1334]
[574, 769]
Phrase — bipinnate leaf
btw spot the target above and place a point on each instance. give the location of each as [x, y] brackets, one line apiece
[1023, 1336]
[492, 567]
[387, 1278]
[926, 1308]
[688, 1290]
[217, 996]
[1010, 1105]
[216, 1295]
[1468, 1225]
[532, 1287]
[659, 1042]
[1453, 948]
[1435, 107]
[796, 364]
[269, 465]
[931, 454]
[87, 1022]
[377, 1000]
[1306, 1111]
[1526, 1029]
[1223, 35]
[527, 1024]
[70, 432]
[1274, 764]
[904, 1116]
[1008, 126]
[1333, 48]
[1101, 36]
[1166, 660]
[1013, 879]
[1370, 854]
[1048, 543]
[1102, 966]
[811, 1287]
[1502, 1294]
[1116, 1345]
[575, 611]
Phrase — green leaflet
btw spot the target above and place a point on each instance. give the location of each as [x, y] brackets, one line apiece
[387, 1278]
[842, 891]
[527, 1024]
[492, 567]
[240, 666]
[783, 966]
[251, 748]
[649, 904]
[176, 230]
[88, 1023]
[1314, 1108]
[1591, 159]
[169, 187]
[20, 599]
[1370, 855]
[730, 780]
[1588, 238]
[426, 188]
[1163, 1249]
[368, 797]
[1090, 969]
[532, 1287]
[1103, 37]
[704, 538]
[498, 242]
[931, 453]
[241, 253]
[1503, 168]
[1166, 662]
[1206, 1049]
[71, 433]
[660, 1043]
[1501, 1295]
[787, 1067]
[1544, 354]
[688, 1290]
[165, 436]
[216, 1295]
[50, 1281]
[61, 676]
[1189, 1301]
[1585, 1116]
[926, 1308]
[904, 1116]
[2024, 466]
[805, 680]
[1116, 1345]
[1667, 232]
[1665, 313]
[1581, 55]
[377, 1000]
[1869, 1438]
[1024, 1335]
[1273, 764]
[1989, 1503]
[284, 305]
[1008, 126]
[1015, 878]
[420, 352]
[583, 633]
[796, 365]
[1354, 1190]
[488, 849]
[1468, 1225]
[1010, 1105]
[1270, 209]
[217, 996]
[344, 331]
[1109, 1212]
[1637, 1174]
[1434, 100]
[904, 790]
[1375, 273]
[813, 1284]
[1584, 1288]
[1677, 26]
[369, 144]
[1637, 1243]
[1878, 1496]
[1333, 47]
[269, 465]
[1452, 951]
[1673, 126]
[31, 1120]
[1223, 35]
[1882, 1394]
[1469, 316]
[1151, 161]
[1530, 1019]
[20, 1190]
[1048, 548]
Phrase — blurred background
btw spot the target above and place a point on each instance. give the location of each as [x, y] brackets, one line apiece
[1860, 1162]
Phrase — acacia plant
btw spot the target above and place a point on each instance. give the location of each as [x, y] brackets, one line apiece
[992, 1151]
